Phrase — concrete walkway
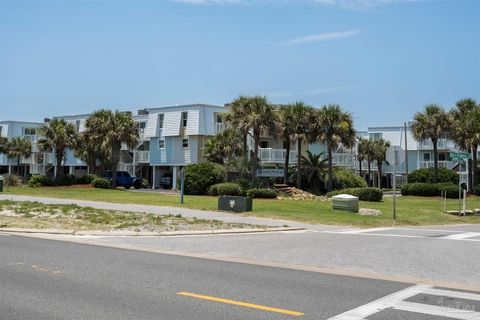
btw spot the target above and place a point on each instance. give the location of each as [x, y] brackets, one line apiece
[162, 210]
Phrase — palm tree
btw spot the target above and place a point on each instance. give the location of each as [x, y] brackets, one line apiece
[109, 130]
[301, 126]
[16, 148]
[334, 127]
[313, 166]
[433, 123]
[286, 131]
[3, 144]
[237, 118]
[87, 151]
[224, 145]
[465, 131]
[57, 135]
[361, 154]
[366, 152]
[261, 118]
[380, 148]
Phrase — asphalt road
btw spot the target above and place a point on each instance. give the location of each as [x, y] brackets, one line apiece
[46, 279]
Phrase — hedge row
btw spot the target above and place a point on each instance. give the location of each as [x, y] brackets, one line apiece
[363, 194]
[65, 180]
[233, 189]
[426, 175]
[262, 193]
[430, 189]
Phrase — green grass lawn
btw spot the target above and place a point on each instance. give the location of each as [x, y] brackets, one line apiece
[410, 210]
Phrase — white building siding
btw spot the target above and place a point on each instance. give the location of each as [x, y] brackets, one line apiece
[171, 124]
[151, 128]
[192, 123]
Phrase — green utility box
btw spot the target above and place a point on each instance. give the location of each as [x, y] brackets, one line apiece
[235, 204]
[345, 202]
[1, 184]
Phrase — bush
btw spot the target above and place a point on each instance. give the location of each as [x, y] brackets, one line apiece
[39, 181]
[345, 179]
[262, 193]
[12, 180]
[199, 177]
[102, 183]
[363, 194]
[66, 180]
[426, 176]
[225, 189]
[86, 179]
[477, 190]
[430, 189]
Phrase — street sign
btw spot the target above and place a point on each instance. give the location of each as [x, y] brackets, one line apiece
[390, 156]
[265, 172]
[460, 155]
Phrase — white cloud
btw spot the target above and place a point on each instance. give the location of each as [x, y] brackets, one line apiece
[320, 37]
[361, 4]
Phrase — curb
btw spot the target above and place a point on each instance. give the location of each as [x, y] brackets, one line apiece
[148, 234]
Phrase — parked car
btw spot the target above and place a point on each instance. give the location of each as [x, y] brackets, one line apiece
[124, 179]
[166, 182]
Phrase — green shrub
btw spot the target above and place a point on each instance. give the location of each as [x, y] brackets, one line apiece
[363, 194]
[12, 180]
[102, 183]
[426, 176]
[225, 189]
[262, 193]
[430, 189]
[477, 190]
[199, 177]
[345, 179]
[67, 180]
[39, 181]
[90, 177]
[86, 179]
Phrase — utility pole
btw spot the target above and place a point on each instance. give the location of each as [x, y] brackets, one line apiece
[406, 154]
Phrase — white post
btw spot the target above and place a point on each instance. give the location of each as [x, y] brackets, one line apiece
[174, 178]
[154, 176]
[394, 183]
[464, 211]
[70, 170]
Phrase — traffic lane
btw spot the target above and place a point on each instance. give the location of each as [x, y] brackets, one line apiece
[108, 283]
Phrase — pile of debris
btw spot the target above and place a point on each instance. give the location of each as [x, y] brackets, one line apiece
[286, 192]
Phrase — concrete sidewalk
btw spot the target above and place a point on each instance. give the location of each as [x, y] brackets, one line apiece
[162, 210]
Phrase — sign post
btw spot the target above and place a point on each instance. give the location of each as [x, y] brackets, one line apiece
[461, 157]
[395, 156]
[182, 184]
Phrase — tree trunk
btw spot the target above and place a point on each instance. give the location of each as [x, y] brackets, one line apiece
[369, 172]
[287, 160]
[58, 164]
[255, 157]
[115, 161]
[360, 168]
[435, 160]
[18, 165]
[245, 147]
[330, 169]
[475, 169]
[299, 166]
[379, 166]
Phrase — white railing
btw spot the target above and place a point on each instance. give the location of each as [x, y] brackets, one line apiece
[26, 160]
[30, 137]
[141, 133]
[219, 127]
[430, 164]
[268, 155]
[342, 159]
[142, 156]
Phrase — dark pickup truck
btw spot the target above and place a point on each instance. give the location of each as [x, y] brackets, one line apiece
[124, 179]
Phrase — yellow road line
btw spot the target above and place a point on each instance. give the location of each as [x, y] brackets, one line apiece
[239, 303]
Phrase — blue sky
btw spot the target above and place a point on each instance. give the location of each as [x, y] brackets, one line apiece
[382, 60]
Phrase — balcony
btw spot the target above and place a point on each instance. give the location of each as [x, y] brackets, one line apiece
[25, 160]
[342, 159]
[268, 155]
[141, 133]
[38, 169]
[30, 137]
[142, 156]
[430, 164]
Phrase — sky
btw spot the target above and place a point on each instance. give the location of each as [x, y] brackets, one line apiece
[381, 60]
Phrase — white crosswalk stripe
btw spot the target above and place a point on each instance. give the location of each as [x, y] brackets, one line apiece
[396, 301]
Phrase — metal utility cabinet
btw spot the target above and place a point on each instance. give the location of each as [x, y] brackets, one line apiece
[345, 202]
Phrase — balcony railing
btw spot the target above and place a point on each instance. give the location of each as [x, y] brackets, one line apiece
[142, 156]
[38, 168]
[268, 155]
[30, 137]
[430, 164]
[25, 160]
[342, 159]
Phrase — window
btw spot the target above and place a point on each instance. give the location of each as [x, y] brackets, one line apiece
[375, 136]
[77, 125]
[141, 125]
[161, 144]
[160, 120]
[1, 128]
[219, 118]
[185, 143]
[29, 131]
[264, 144]
[184, 118]
[442, 157]
[426, 156]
